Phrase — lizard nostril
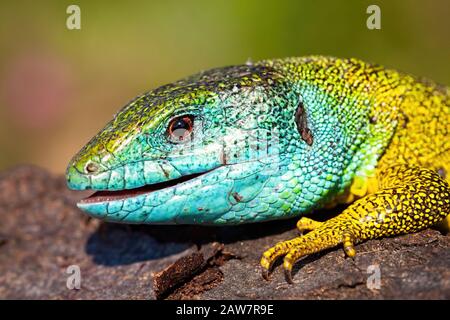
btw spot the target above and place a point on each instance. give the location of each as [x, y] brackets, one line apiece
[91, 167]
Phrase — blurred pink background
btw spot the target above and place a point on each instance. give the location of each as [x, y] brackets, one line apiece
[58, 87]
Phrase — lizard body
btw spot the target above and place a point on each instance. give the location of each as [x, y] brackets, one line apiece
[276, 139]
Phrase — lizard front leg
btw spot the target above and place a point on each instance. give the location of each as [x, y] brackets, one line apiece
[410, 199]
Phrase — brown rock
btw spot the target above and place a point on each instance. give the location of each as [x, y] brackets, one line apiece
[42, 233]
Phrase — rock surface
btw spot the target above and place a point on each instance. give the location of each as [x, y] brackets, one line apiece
[42, 233]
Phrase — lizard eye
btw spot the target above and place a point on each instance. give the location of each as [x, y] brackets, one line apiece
[180, 128]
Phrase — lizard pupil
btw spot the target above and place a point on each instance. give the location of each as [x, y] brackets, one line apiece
[181, 128]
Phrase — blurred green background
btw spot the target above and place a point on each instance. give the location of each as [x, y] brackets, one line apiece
[58, 87]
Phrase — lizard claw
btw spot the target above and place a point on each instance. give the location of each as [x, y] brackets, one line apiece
[287, 265]
[265, 274]
[266, 265]
[288, 276]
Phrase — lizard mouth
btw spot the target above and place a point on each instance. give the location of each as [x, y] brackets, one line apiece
[109, 195]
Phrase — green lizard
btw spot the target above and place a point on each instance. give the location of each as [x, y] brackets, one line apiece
[273, 140]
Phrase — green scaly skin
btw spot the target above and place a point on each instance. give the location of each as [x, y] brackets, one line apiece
[270, 140]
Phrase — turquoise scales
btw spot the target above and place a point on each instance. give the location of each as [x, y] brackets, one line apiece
[240, 109]
[272, 140]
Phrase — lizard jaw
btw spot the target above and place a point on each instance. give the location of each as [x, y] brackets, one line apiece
[115, 195]
[160, 203]
[213, 197]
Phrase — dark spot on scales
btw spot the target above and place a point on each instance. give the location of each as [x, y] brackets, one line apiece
[302, 125]
[223, 158]
[237, 196]
[405, 120]
[166, 174]
[442, 172]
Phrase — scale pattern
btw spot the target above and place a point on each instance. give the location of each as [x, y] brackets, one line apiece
[405, 189]
[276, 139]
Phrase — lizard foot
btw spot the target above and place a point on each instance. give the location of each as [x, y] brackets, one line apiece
[322, 235]
[271, 255]
[411, 199]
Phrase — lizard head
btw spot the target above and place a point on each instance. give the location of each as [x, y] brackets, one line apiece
[225, 146]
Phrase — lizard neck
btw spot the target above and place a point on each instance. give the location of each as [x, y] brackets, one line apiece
[358, 105]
